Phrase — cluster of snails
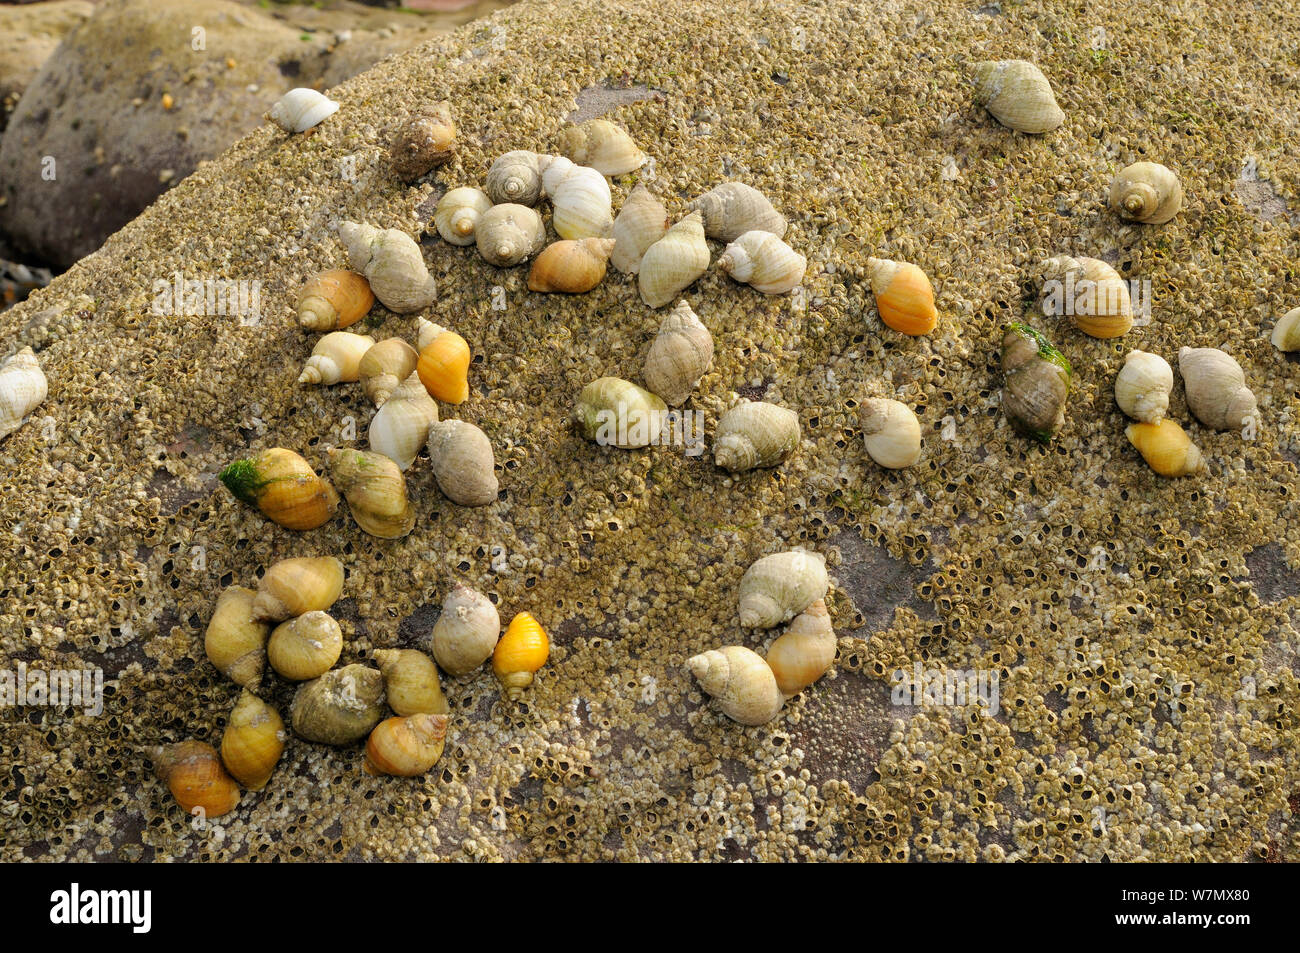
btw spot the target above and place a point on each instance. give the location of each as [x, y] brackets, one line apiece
[22, 388]
[335, 706]
[783, 587]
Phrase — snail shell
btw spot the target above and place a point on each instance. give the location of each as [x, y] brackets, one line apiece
[295, 586]
[1037, 382]
[679, 356]
[425, 140]
[22, 388]
[1146, 192]
[375, 490]
[1143, 385]
[406, 747]
[754, 434]
[521, 652]
[443, 367]
[340, 707]
[805, 652]
[300, 109]
[615, 412]
[253, 741]
[581, 205]
[641, 222]
[457, 215]
[305, 647]
[764, 262]
[336, 358]
[570, 266]
[1216, 388]
[904, 296]
[284, 487]
[1018, 95]
[1091, 292]
[393, 264]
[516, 177]
[778, 587]
[674, 262]
[193, 772]
[334, 299]
[734, 208]
[384, 366]
[508, 234]
[411, 682]
[1286, 333]
[891, 432]
[235, 642]
[466, 633]
[1166, 448]
[605, 147]
[740, 682]
[400, 427]
[461, 457]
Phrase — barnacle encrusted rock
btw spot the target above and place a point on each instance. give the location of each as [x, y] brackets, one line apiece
[1141, 632]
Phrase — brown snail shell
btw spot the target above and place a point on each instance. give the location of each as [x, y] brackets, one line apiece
[333, 300]
[193, 772]
[461, 457]
[426, 140]
[340, 707]
[466, 633]
[571, 266]
[805, 652]
[1037, 382]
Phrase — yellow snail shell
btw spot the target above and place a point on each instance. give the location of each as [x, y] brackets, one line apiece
[805, 652]
[616, 413]
[1143, 385]
[516, 177]
[1286, 333]
[1146, 192]
[393, 264]
[235, 642]
[603, 146]
[457, 215]
[466, 633]
[284, 487]
[674, 262]
[755, 434]
[375, 490]
[778, 587]
[679, 356]
[891, 432]
[295, 586]
[333, 300]
[305, 647]
[641, 222]
[340, 707]
[301, 108]
[385, 366]
[401, 426]
[406, 747]
[1166, 448]
[740, 682]
[508, 234]
[1091, 292]
[570, 266]
[336, 358]
[22, 388]
[581, 205]
[411, 682]
[764, 262]
[253, 741]
[1018, 95]
[193, 772]
[460, 455]
[734, 208]
[425, 140]
[1216, 389]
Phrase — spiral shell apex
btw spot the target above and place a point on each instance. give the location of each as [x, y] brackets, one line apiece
[581, 203]
[516, 177]
[393, 264]
[904, 296]
[891, 432]
[755, 434]
[764, 262]
[336, 358]
[457, 215]
[1146, 192]
[508, 234]
[778, 587]
[375, 490]
[741, 683]
[406, 747]
[425, 140]
[1018, 95]
[1143, 385]
[679, 356]
[466, 633]
[1037, 382]
[674, 262]
[22, 388]
[731, 209]
[523, 649]
[570, 266]
[300, 109]
[641, 222]
[603, 146]
[193, 772]
[333, 300]
[1216, 388]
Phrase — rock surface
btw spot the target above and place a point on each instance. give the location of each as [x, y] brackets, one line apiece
[1148, 692]
[29, 33]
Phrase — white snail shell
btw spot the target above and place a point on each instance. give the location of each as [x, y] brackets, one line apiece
[1018, 95]
[680, 355]
[516, 177]
[336, 358]
[1142, 386]
[778, 587]
[457, 214]
[1146, 192]
[891, 432]
[764, 262]
[509, 233]
[603, 146]
[300, 109]
[401, 426]
[1286, 333]
[674, 262]
[733, 208]
[461, 458]
[393, 264]
[740, 682]
[754, 434]
[1216, 388]
[641, 222]
[580, 200]
[22, 388]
